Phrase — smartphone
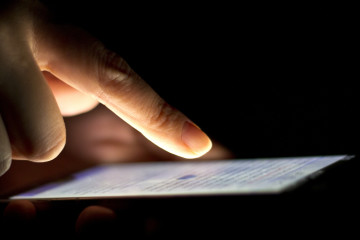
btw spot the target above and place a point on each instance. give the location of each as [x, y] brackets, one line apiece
[235, 177]
[202, 198]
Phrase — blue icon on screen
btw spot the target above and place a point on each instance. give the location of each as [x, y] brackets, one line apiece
[187, 177]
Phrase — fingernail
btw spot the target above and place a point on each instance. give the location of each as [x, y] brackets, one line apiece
[195, 139]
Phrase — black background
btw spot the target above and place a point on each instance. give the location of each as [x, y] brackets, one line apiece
[263, 80]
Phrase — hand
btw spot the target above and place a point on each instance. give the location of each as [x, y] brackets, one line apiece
[94, 137]
[98, 136]
[42, 64]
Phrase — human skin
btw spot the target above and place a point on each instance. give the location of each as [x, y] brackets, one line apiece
[48, 69]
[97, 136]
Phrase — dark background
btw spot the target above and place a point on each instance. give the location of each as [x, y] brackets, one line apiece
[263, 80]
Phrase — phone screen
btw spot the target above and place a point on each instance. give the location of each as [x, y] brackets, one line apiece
[187, 178]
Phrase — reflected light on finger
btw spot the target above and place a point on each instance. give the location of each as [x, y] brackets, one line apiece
[70, 101]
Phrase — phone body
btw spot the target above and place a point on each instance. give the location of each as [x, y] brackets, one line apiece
[203, 197]
[186, 179]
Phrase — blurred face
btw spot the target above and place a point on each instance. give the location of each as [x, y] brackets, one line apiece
[101, 136]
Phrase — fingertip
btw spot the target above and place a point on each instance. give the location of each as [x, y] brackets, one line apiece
[42, 151]
[95, 220]
[19, 219]
[20, 211]
[196, 140]
[50, 153]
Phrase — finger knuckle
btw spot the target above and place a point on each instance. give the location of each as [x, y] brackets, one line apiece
[114, 74]
[162, 116]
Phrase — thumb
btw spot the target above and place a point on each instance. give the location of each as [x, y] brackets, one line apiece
[85, 64]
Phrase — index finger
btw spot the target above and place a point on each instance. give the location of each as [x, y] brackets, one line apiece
[85, 64]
